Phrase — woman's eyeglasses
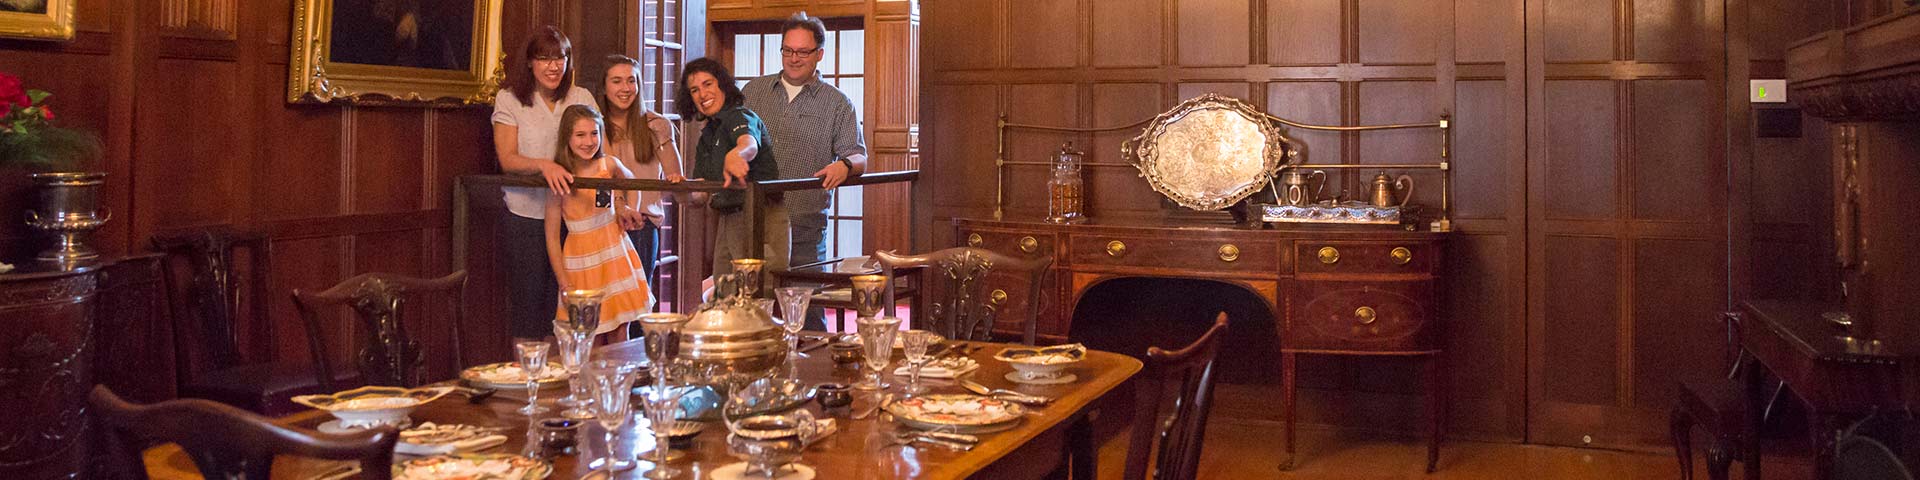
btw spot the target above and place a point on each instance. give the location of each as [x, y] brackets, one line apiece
[548, 59]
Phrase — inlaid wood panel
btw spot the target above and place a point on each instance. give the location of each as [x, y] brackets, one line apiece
[1671, 155]
[1213, 32]
[1669, 30]
[385, 163]
[1304, 32]
[1482, 334]
[1398, 32]
[215, 19]
[965, 114]
[1044, 22]
[1675, 286]
[1127, 33]
[1578, 30]
[1581, 275]
[1483, 29]
[961, 19]
[1482, 176]
[1582, 156]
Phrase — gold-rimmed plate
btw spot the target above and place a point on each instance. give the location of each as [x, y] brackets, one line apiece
[957, 412]
[509, 376]
[497, 466]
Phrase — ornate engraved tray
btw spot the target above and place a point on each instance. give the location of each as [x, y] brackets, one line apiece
[1210, 152]
[1328, 212]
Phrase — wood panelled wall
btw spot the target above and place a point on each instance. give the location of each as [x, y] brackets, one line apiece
[1592, 169]
[189, 98]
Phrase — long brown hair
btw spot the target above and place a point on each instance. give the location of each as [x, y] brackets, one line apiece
[636, 129]
[546, 41]
[564, 151]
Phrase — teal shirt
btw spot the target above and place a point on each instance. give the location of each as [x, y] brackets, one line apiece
[720, 136]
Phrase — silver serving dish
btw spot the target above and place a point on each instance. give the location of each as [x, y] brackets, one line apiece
[731, 340]
[1210, 152]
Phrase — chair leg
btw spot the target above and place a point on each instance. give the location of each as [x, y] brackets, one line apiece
[1680, 427]
[1719, 460]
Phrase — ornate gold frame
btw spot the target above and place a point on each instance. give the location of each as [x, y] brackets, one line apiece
[56, 24]
[312, 78]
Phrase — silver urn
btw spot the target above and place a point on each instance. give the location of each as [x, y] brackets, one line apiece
[731, 340]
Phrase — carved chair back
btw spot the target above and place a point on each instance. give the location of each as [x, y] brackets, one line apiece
[1179, 436]
[225, 442]
[216, 302]
[384, 354]
[964, 303]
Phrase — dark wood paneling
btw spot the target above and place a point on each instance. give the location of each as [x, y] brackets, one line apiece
[1213, 32]
[1579, 30]
[1127, 33]
[1581, 150]
[1111, 190]
[1045, 22]
[1400, 102]
[1581, 337]
[962, 19]
[1671, 153]
[1678, 295]
[1669, 30]
[1481, 180]
[1483, 29]
[385, 164]
[1399, 32]
[1304, 32]
[965, 114]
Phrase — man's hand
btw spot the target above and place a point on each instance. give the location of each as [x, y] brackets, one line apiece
[629, 218]
[557, 178]
[832, 175]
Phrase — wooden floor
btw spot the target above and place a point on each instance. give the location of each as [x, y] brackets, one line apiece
[1240, 449]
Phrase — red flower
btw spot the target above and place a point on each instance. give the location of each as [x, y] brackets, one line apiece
[46, 111]
[12, 93]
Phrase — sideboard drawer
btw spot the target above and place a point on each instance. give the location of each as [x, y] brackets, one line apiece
[1015, 244]
[1365, 257]
[1361, 316]
[1176, 254]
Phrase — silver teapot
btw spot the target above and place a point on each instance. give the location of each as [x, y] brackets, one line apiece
[732, 338]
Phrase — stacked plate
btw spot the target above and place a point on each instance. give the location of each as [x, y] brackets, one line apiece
[509, 376]
[960, 413]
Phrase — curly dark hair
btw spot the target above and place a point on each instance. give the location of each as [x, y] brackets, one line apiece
[683, 99]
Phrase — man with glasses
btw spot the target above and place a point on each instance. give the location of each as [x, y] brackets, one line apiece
[814, 134]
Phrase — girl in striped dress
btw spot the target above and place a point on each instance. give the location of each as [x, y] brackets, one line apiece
[597, 253]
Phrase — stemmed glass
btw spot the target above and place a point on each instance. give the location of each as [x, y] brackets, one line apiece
[914, 343]
[793, 315]
[876, 339]
[533, 363]
[748, 271]
[611, 382]
[662, 341]
[574, 349]
[661, 404]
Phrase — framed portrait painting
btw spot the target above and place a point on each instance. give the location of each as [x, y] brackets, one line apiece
[435, 53]
[37, 19]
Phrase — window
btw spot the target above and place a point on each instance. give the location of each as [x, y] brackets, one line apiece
[661, 51]
[757, 54]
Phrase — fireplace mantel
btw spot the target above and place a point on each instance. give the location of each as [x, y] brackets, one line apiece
[1866, 72]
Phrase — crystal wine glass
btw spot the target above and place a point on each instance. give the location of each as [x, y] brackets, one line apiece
[661, 405]
[574, 349]
[793, 314]
[914, 344]
[611, 382]
[876, 338]
[533, 363]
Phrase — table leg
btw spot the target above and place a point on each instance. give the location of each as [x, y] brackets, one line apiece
[1756, 392]
[1436, 409]
[1287, 381]
[1824, 429]
[1083, 455]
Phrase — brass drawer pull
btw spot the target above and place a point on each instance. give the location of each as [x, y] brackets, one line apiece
[1116, 248]
[1229, 253]
[1329, 255]
[1028, 244]
[998, 296]
[973, 240]
[1366, 315]
[1401, 255]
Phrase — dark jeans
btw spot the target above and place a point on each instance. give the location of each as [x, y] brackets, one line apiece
[646, 240]
[809, 245]
[532, 291]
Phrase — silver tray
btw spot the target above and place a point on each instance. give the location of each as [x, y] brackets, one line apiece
[1210, 152]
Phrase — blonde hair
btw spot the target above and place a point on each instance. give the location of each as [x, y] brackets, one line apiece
[563, 153]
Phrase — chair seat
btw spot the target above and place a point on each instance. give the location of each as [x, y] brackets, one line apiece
[1719, 406]
[266, 388]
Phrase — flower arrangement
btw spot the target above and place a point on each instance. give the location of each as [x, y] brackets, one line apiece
[28, 137]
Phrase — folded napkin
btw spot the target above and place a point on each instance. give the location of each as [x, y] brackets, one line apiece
[430, 439]
[942, 368]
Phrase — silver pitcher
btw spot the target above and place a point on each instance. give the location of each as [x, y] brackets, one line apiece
[1296, 192]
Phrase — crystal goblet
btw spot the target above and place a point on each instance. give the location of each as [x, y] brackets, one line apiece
[914, 343]
[533, 362]
[876, 339]
[793, 314]
[661, 405]
[611, 382]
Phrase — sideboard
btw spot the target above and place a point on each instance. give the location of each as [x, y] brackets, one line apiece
[1332, 289]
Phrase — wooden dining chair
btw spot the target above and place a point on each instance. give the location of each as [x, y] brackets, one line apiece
[225, 442]
[964, 298]
[216, 297]
[1180, 435]
[384, 354]
[1719, 407]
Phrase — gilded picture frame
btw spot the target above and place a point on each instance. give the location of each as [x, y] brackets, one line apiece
[37, 19]
[391, 52]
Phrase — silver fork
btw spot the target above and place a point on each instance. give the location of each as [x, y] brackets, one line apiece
[1009, 395]
[902, 439]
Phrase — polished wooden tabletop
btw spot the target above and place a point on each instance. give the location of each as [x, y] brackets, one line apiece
[859, 450]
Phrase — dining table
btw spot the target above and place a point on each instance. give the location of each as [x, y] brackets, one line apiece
[1047, 439]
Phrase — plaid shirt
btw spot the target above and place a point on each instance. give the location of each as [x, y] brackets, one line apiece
[814, 129]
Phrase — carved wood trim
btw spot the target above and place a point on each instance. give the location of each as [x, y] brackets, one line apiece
[202, 19]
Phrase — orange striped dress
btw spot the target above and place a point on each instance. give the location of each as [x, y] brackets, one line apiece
[598, 255]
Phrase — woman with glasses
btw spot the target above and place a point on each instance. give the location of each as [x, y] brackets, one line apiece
[526, 125]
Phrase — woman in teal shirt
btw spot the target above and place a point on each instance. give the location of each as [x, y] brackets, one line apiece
[733, 147]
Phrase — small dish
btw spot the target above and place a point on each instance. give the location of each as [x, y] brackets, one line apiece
[971, 413]
[373, 406]
[1034, 363]
[491, 466]
[509, 376]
